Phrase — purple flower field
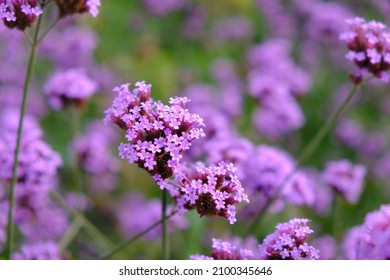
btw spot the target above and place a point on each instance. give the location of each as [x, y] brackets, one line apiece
[182, 129]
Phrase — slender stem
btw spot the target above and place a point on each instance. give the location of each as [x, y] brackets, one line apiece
[11, 196]
[164, 236]
[135, 237]
[306, 153]
[101, 240]
[70, 234]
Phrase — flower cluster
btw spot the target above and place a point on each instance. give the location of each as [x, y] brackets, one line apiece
[38, 163]
[93, 153]
[19, 14]
[370, 241]
[369, 48]
[38, 251]
[224, 250]
[71, 86]
[212, 191]
[288, 242]
[68, 7]
[162, 8]
[158, 134]
[345, 178]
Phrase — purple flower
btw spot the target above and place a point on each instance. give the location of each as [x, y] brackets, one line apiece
[93, 152]
[135, 213]
[19, 14]
[345, 178]
[162, 8]
[38, 163]
[288, 242]
[224, 250]
[370, 241]
[212, 191]
[38, 251]
[369, 48]
[236, 28]
[299, 190]
[71, 86]
[349, 133]
[67, 7]
[327, 245]
[157, 134]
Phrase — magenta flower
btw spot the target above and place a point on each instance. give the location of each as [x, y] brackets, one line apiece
[38, 251]
[212, 191]
[345, 178]
[19, 14]
[157, 134]
[68, 7]
[71, 86]
[288, 242]
[224, 250]
[369, 48]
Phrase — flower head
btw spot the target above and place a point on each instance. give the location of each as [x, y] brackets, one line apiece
[38, 251]
[68, 7]
[288, 242]
[157, 134]
[369, 48]
[212, 191]
[19, 14]
[71, 86]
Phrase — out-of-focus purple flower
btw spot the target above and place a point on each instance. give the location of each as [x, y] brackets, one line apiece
[374, 144]
[382, 167]
[280, 22]
[370, 241]
[369, 48]
[158, 134]
[194, 23]
[66, 49]
[236, 28]
[72, 86]
[266, 170]
[212, 191]
[69, 7]
[93, 152]
[288, 242]
[345, 178]
[323, 193]
[135, 213]
[38, 163]
[299, 190]
[277, 117]
[77, 201]
[327, 245]
[19, 14]
[162, 8]
[3, 221]
[349, 133]
[224, 250]
[38, 251]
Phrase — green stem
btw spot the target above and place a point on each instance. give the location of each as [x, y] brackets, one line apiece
[11, 196]
[307, 152]
[102, 241]
[70, 234]
[126, 243]
[164, 237]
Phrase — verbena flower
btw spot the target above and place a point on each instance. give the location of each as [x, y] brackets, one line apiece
[38, 251]
[327, 245]
[371, 240]
[345, 178]
[369, 48]
[69, 7]
[93, 152]
[211, 191]
[224, 250]
[288, 242]
[69, 87]
[163, 8]
[19, 14]
[157, 134]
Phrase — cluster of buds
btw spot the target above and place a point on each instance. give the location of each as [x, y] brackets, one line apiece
[369, 48]
[68, 7]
